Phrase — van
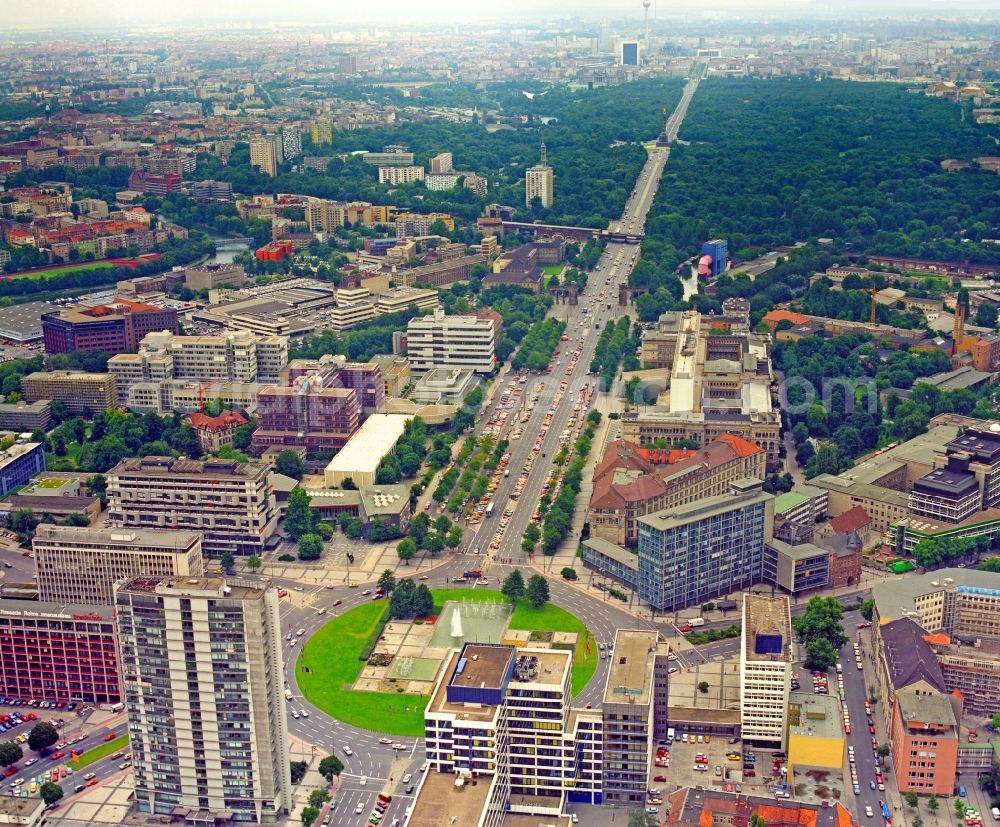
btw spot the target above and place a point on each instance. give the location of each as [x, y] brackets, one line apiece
[119, 707]
[696, 621]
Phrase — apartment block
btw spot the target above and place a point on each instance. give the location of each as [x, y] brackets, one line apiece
[117, 327]
[400, 175]
[442, 162]
[538, 183]
[266, 153]
[25, 416]
[631, 481]
[706, 549]
[634, 713]
[439, 341]
[233, 503]
[202, 680]
[765, 670]
[231, 356]
[500, 711]
[82, 393]
[322, 406]
[19, 463]
[171, 395]
[388, 159]
[58, 651]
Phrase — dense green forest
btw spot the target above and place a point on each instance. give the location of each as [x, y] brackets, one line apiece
[592, 177]
[769, 162]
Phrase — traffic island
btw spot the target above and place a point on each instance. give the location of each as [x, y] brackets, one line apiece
[377, 675]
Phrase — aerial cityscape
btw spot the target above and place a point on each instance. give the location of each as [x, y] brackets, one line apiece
[528, 416]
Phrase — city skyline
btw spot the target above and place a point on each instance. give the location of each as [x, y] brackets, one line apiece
[56, 14]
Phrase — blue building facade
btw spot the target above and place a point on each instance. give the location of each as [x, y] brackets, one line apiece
[18, 464]
[704, 550]
[718, 249]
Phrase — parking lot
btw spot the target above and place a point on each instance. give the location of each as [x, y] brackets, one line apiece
[713, 762]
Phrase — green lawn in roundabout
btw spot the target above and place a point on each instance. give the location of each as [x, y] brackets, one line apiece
[332, 657]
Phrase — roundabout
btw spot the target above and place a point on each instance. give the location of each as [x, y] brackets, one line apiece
[375, 673]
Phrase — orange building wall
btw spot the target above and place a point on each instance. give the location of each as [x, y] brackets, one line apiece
[940, 778]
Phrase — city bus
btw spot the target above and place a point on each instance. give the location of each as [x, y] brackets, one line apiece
[489, 509]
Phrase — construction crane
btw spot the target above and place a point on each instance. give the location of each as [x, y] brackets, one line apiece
[872, 292]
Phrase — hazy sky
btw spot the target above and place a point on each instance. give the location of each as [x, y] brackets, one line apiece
[57, 13]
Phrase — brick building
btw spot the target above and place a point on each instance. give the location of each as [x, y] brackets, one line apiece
[117, 327]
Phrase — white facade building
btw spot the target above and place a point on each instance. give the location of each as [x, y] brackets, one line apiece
[202, 679]
[439, 341]
[765, 669]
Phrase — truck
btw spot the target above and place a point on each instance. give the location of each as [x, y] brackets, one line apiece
[696, 621]
[117, 707]
[996, 813]
[473, 574]
[670, 734]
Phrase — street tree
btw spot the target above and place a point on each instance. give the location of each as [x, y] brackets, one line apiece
[298, 516]
[310, 547]
[537, 591]
[254, 562]
[406, 549]
[10, 753]
[820, 654]
[50, 793]
[227, 561]
[387, 581]
[42, 736]
[331, 766]
[513, 586]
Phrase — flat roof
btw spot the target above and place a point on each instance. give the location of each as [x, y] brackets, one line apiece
[680, 515]
[111, 537]
[369, 444]
[441, 802]
[787, 501]
[439, 702]
[23, 322]
[481, 665]
[18, 810]
[385, 499]
[722, 701]
[896, 598]
[819, 716]
[927, 709]
[218, 587]
[630, 676]
[63, 611]
[768, 617]
[613, 552]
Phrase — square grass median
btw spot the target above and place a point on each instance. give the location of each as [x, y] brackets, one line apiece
[99, 752]
[332, 657]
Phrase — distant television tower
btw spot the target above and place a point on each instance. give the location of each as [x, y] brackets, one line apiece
[645, 5]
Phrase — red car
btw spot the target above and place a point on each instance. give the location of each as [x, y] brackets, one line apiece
[660, 778]
[685, 629]
[57, 755]
[92, 782]
[9, 771]
[110, 736]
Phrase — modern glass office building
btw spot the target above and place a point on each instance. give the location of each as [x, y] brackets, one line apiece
[706, 549]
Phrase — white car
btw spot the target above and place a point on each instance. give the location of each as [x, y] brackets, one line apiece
[399, 746]
[868, 810]
[359, 809]
[348, 751]
[407, 777]
[304, 713]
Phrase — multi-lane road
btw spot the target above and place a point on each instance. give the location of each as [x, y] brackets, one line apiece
[371, 764]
